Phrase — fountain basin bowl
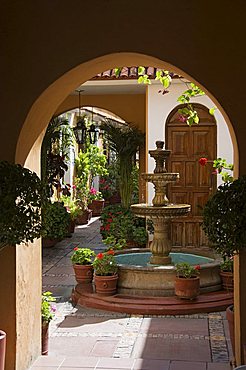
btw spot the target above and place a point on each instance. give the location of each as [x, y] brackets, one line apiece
[168, 211]
[136, 277]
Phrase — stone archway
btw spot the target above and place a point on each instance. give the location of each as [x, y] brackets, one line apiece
[28, 154]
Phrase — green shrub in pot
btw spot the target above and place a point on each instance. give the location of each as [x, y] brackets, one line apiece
[21, 198]
[224, 218]
[55, 220]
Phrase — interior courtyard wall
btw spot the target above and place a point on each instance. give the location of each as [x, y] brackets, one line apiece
[159, 107]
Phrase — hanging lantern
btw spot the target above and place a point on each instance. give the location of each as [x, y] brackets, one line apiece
[80, 132]
[93, 134]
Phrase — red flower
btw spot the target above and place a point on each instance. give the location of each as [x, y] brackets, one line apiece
[107, 227]
[198, 267]
[203, 161]
[110, 252]
[102, 228]
[100, 256]
[109, 220]
[75, 249]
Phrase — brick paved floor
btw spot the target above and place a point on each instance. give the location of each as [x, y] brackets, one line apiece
[82, 338]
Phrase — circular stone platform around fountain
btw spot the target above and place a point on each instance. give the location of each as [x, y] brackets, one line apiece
[139, 279]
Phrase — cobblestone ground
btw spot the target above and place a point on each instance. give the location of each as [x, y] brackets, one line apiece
[82, 338]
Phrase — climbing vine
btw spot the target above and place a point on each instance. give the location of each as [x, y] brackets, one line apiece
[186, 114]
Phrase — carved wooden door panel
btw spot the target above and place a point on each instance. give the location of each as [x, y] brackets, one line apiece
[187, 145]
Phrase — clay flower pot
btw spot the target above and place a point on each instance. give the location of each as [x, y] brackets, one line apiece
[96, 206]
[227, 280]
[83, 273]
[2, 349]
[106, 285]
[187, 288]
[45, 338]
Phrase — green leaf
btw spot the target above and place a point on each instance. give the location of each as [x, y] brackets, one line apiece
[212, 110]
[141, 70]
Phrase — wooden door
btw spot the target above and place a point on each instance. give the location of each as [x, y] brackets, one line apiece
[196, 183]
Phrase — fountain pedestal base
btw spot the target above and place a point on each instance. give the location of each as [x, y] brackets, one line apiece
[160, 260]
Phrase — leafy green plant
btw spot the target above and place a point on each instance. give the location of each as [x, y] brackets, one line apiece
[224, 218]
[113, 243]
[187, 113]
[140, 235]
[121, 223]
[223, 167]
[21, 198]
[55, 148]
[48, 309]
[82, 256]
[105, 264]
[227, 265]
[94, 195]
[72, 207]
[125, 141]
[185, 270]
[55, 220]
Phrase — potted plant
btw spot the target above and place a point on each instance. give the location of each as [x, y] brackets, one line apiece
[47, 313]
[187, 282]
[21, 198]
[105, 273]
[124, 141]
[55, 221]
[114, 244]
[226, 273]
[95, 202]
[224, 223]
[73, 210]
[82, 264]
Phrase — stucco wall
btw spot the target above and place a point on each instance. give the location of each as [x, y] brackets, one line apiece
[159, 107]
[48, 47]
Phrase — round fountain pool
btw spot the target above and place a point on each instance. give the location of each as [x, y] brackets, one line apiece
[138, 277]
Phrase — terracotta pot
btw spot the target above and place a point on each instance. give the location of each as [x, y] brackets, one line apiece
[2, 349]
[96, 206]
[230, 320]
[227, 280]
[187, 288]
[106, 285]
[71, 226]
[83, 273]
[45, 338]
[49, 243]
[114, 199]
[84, 218]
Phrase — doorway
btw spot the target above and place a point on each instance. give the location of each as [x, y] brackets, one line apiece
[196, 183]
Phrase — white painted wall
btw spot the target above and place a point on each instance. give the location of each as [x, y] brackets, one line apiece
[159, 107]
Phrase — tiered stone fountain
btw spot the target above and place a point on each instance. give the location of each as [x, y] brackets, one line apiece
[161, 211]
[153, 273]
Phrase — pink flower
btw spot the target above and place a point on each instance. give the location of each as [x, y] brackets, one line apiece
[215, 172]
[75, 249]
[203, 161]
[93, 191]
[182, 118]
[53, 308]
[74, 186]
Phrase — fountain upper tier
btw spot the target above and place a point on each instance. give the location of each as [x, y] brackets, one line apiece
[161, 210]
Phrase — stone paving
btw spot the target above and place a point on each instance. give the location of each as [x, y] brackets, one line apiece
[83, 338]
